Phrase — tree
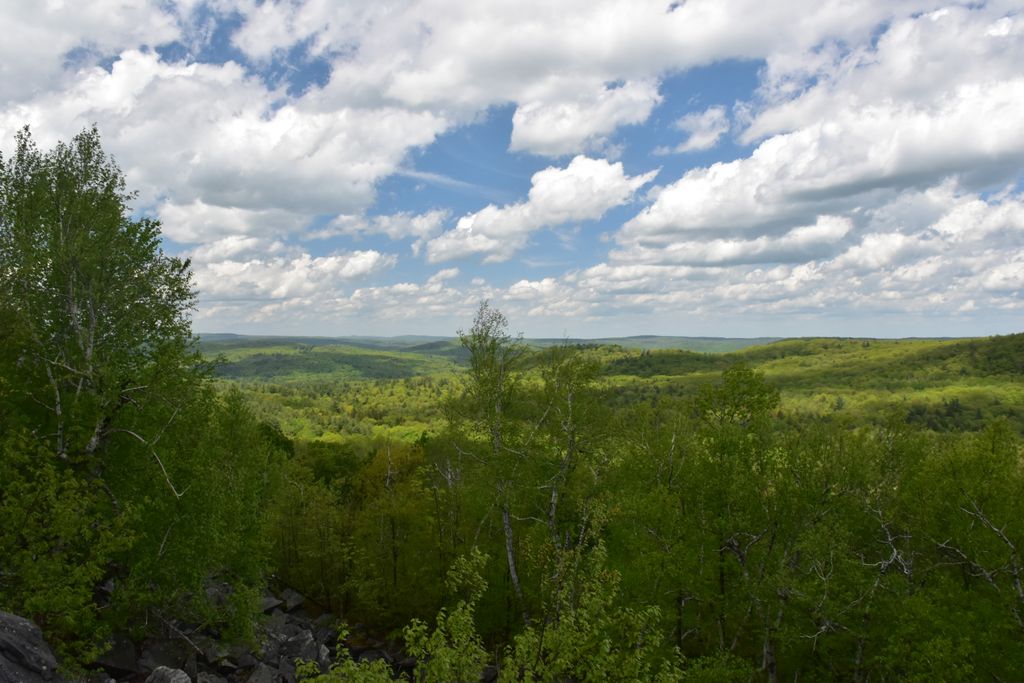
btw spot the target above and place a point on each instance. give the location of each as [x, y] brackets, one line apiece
[97, 326]
[106, 398]
[488, 406]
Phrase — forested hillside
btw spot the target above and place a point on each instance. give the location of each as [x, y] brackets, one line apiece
[810, 509]
[311, 386]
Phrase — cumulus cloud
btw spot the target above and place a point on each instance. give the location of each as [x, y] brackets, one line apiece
[45, 42]
[561, 125]
[883, 177]
[917, 267]
[795, 246]
[832, 164]
[704, 128]
[583, 190]
[287, 277]
[226, 144]
[200, 222]
[396, 226]
[555, 61]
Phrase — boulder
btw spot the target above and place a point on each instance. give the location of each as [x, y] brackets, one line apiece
[165, 674]
[301, 646]
[169, 654]
[24, 655]
[269, 602]
[122, 658]
[292, 599]
[264, 674]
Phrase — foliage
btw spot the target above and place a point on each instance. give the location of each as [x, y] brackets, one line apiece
[120, 464]
[825, 509]
[57, 539]
[452, 652]
[345, 669]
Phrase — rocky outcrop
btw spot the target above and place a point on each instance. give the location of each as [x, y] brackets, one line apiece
[190, 654]
[163, 674]
[186, 653]
[24, 655]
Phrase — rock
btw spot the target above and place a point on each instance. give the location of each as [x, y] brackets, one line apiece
[24, 655]
[269, 602]
[192, 666]
[207, 677]
[122, 657]
[292, 599]
[264, 674]
[325, 629]
[301, 646]
[287, 670]
[246, 660]
[218, 593]
[165, 674]
[165, 653]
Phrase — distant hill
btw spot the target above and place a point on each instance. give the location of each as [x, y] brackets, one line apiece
[942, 383]
[283, 358]
[425, 343]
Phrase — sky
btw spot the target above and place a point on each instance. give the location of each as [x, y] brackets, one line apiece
[593, 168]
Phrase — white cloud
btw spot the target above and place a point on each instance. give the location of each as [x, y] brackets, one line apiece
[881, 131]
[285, 278]
[558, 125]
[42, 38]
[705, 129]
[797, 245]
[552, 60]
[832, 164]
[396, 226]
[200, 222]
[584, 190]
[227, 142]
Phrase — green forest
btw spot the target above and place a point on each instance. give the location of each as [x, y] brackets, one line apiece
[546, 510]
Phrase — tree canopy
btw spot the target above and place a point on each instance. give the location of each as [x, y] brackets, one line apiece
[112, 442]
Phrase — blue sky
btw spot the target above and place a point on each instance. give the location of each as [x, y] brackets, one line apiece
[593, 168]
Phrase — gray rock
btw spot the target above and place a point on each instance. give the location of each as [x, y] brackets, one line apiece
[287, 670]
[24, 655]
[301, 646]
[207, 677]
[122, 657]
[165, 653]
[165, 674]
[264, 674]
[292, 599]
[269, 602]
[246, 660]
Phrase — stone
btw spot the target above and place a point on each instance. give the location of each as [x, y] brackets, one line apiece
[165, 653]
[292, 599]
[24, 655]
[122, 657]
[207, 677]
[301, 646]
[287, 670]
[263, 674]
[165, 674]
[269, 602]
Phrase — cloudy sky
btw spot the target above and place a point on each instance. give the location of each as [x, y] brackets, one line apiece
[593, 167]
